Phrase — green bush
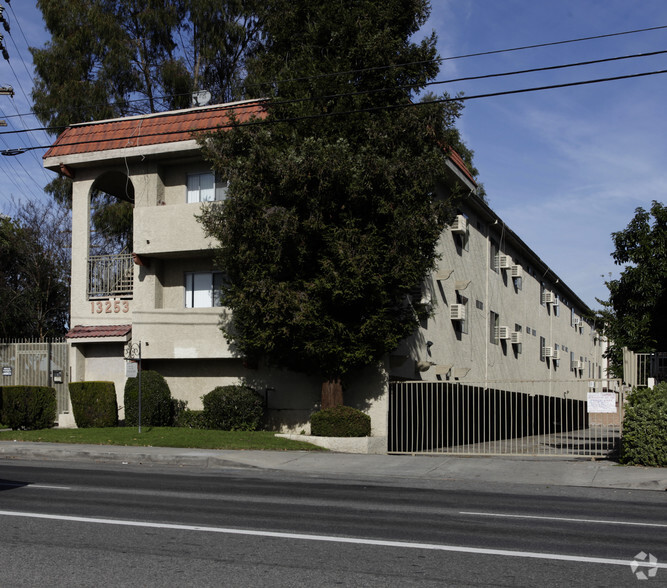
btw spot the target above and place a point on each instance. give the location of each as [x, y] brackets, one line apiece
[340, 421]
[94, 404]
[157, 407]
[233, 408]
[28, 407]
[644, 440]
[190, 419]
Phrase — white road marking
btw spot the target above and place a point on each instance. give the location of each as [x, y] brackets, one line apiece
[28, 485]
[600, 521]
[332, 539]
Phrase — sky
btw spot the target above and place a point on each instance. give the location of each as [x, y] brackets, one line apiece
[563, 168]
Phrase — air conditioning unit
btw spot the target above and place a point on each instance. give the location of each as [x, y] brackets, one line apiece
[504, 262]
[577, 365]
[549, 298]
[576, 320]
[517, 271]
[460, 225]
[503, 333]
[457, 312]
[549, 351]
[516, 337]
[555, 354]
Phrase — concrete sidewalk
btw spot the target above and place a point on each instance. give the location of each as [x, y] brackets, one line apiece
[547, 471]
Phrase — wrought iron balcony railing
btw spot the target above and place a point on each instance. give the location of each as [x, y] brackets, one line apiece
[110, 275]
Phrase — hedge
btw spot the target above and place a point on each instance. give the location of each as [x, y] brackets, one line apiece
[157, 407]
[644, 440]
[233, 408]
[94, 404]
[28, 407]
[340, 421]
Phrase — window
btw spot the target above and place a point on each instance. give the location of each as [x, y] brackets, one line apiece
[204, 188]
[493, 255]
[494, 323]
[462, 325]
[543, 344]
[202, 289]
[542, 291]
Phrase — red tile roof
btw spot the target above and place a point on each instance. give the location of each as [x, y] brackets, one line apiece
[458, 161]
[82, 331]
[150, 129]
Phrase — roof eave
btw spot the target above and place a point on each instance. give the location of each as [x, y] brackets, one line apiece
[93, 157]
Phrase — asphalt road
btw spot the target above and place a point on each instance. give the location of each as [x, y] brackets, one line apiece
[91, 525]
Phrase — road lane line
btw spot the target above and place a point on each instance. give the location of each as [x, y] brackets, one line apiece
[333, 539]
[29, 485]
[564, 519]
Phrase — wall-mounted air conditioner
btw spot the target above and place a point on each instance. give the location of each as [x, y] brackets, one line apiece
[460, 225]
[516, 337]
[576, 320]
[548, 351]
[555, 354]
[549, 297]
[517, 271]
[577, 365]
[504, 262]
[503, 333]
[457, 312]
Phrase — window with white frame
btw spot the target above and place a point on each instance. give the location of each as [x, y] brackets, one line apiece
[204, 187]
[202, 289]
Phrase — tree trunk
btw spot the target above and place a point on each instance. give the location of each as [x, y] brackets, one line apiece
[332, 393]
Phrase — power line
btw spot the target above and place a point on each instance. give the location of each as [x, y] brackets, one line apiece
[370, 109]
[464, 56]
[437, 60]
[366, 92]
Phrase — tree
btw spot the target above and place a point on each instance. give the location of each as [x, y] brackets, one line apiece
[332, 215]
[34, 266]
[109, 58]
[635, 315]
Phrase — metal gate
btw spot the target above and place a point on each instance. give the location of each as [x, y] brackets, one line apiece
[578, 418]
[27, 362]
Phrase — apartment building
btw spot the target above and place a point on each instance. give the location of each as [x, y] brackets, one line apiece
[498, 312]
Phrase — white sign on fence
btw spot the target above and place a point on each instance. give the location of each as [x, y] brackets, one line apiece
[601, 402]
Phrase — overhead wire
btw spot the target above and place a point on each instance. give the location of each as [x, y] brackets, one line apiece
[243, 104]
[256, 122]
[439, 60]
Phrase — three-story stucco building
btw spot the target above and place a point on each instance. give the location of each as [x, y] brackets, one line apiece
[498, 312]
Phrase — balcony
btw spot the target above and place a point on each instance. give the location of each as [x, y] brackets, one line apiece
[110, 276]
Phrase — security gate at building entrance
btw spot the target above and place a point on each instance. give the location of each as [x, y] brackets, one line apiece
[36, 363]
[577, 418]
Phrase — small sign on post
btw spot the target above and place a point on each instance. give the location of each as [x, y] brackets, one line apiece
[6, 371]
[131, 369]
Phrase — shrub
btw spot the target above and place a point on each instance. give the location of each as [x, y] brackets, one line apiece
[190, 419]
[233, 408]
[644, 440]
[28, 407]
[340, 421]
[157, 408]
[94, 404]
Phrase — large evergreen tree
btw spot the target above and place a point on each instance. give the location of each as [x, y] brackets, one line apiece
[635, 315]
[333, 211]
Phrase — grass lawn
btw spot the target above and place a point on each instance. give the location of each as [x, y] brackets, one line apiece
[162, 437]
